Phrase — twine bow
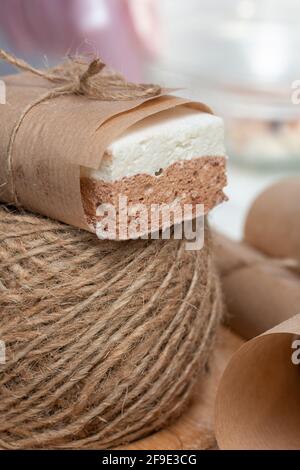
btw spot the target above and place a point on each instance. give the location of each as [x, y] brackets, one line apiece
[77, 77]
[93, 80]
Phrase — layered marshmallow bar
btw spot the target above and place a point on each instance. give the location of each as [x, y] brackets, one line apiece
[174, 156]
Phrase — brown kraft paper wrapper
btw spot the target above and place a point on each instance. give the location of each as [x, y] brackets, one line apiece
[258, 405]
[59, 136]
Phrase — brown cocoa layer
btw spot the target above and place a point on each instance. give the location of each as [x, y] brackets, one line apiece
[196, 181]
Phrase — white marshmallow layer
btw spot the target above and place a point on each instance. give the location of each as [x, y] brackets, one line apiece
[160, 140]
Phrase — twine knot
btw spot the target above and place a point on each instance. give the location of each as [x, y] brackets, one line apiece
[91, 79]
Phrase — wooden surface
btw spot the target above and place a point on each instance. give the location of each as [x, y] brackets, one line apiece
[194, 430]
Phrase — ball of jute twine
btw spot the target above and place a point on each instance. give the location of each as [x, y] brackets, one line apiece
[104, 340]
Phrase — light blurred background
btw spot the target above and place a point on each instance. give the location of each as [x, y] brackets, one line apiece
[241, 57]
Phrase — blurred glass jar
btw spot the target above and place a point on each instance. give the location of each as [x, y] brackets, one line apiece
[262, 130]
[244, 56]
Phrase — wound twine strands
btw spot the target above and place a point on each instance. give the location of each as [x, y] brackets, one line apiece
[77, 77]
[104, 340]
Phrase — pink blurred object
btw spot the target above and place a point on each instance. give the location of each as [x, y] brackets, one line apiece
[121, 32]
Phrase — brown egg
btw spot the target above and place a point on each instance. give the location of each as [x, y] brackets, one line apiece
[273, 222]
